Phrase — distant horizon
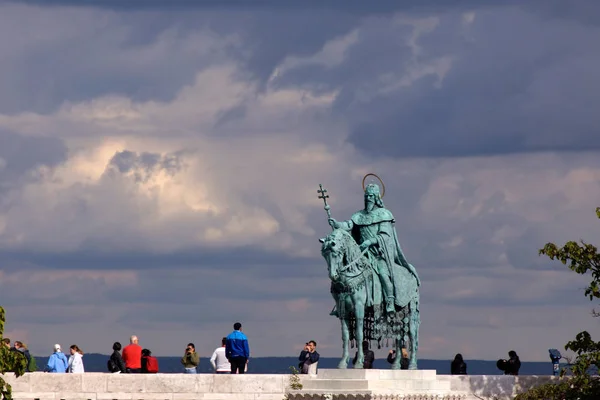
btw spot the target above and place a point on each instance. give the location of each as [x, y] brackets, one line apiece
[95, 362]
[296, 356]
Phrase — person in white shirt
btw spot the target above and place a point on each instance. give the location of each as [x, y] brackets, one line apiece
[76, 360]
[218, 360]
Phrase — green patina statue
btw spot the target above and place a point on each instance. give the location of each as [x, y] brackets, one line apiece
[376, 290]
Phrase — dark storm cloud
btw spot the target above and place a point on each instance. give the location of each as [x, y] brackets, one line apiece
[143, 165]
[217, 285]
[263, 262]
[21, 153]
[382, 6]
[531, 88]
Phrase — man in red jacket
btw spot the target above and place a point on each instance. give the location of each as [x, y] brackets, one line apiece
[132, 355]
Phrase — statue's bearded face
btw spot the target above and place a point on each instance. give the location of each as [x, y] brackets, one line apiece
[371, 197]
[369, 200]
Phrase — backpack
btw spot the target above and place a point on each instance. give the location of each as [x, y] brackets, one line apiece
[151, 365]
[32, 366]
[111, 365]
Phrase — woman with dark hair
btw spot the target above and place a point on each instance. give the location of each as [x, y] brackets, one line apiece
[149, 363]
[458, 366]
[76, 360]
[513, 364]
[115, 362]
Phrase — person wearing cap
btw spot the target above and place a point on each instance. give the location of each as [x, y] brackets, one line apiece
[57, 362]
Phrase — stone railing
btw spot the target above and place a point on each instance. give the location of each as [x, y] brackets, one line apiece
[104, 386]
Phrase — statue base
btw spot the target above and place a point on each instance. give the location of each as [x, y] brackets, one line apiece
[333, 384]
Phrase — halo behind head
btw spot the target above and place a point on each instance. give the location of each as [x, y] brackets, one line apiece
[380, 181]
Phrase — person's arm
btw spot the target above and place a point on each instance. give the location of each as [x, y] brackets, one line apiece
[120, 363]
[391, 357]
[228, 348]
[302, 356]
[195, 358]
[51, 363]
[345, 225]
[213, 358]
[313, 357]
[184, 359]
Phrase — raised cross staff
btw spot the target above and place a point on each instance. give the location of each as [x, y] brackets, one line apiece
[324, 196]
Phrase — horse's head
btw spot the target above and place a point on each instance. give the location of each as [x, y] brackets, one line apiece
[333, 250]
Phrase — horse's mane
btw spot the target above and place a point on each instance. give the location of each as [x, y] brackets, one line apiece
[351, 249]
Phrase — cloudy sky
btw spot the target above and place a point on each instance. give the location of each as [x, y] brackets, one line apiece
[159, 167]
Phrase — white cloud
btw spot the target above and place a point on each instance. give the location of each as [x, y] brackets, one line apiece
[332, 54]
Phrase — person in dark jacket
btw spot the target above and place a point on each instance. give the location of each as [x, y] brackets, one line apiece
[117, 360]
[308, 357]
[369, 356]
[513, 364]
[21, 348]
[458, 366]
[403, 362]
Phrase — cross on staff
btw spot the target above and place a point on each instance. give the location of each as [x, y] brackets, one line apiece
[324, 196]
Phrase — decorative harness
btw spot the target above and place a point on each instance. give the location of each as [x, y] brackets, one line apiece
[351, 283]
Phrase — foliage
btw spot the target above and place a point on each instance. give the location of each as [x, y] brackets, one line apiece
[580, 380]
[10, 361]
[294, 383]
[295, 379]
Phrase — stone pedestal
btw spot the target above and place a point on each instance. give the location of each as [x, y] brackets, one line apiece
[333, 384]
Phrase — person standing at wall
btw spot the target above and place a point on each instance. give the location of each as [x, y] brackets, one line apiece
[237, 349]
[132, 355]
[219, 361]
[57, 362]
[190, 359]
[458, 366]
[116, 363]
[76, 360]
[369, 357]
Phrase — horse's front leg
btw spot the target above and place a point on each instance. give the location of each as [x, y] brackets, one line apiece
[345, 339]
[359, 312]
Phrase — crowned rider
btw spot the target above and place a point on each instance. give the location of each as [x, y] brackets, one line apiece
[373, 229]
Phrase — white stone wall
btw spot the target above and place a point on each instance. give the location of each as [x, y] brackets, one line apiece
[104, 386]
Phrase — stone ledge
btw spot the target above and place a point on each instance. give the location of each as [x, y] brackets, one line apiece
[396, 385]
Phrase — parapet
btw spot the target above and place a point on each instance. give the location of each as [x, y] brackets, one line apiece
[328, 384]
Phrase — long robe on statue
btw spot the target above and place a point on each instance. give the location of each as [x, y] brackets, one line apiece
[378, 224]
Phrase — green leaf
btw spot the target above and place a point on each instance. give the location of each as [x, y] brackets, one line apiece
[575, 381]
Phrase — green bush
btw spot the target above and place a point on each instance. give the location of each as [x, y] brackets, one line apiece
[10, 361]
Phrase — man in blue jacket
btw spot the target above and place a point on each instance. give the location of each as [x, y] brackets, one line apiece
[237, 350]
[57, 362]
